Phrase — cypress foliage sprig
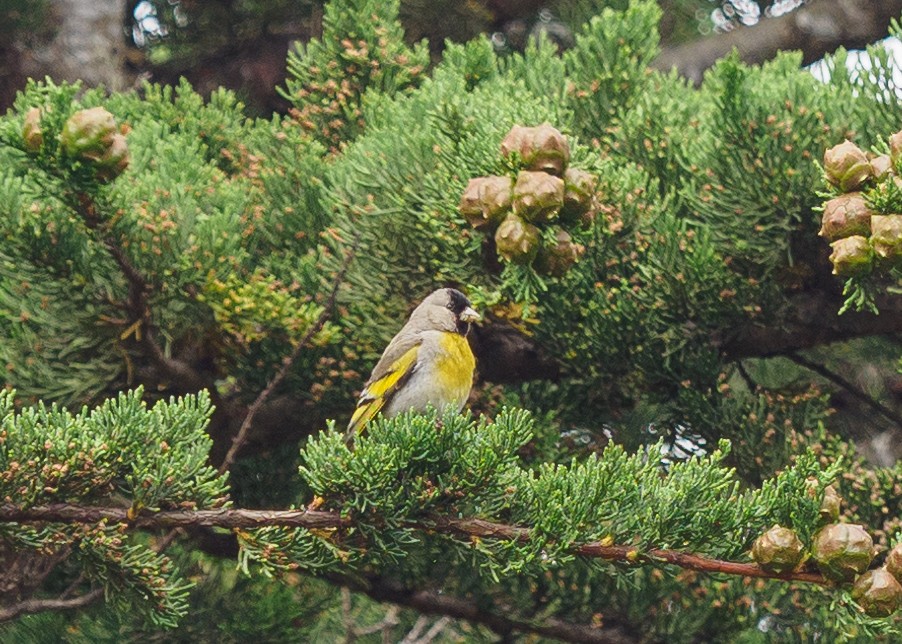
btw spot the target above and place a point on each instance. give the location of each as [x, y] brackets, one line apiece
[361, 49]
[122, 451]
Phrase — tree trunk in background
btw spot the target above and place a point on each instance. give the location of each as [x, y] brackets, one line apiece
[87, 43]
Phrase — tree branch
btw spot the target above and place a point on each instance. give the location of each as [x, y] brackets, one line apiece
[811, 319]
[138, 306]
[817, 29]
[501, 622]
[854, 391]
[248, 519]
[32, 606]
[287, 362]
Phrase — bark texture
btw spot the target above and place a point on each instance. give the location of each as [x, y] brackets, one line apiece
[87, 43]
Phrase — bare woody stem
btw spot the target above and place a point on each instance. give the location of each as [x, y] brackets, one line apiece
[137, 305]
[32, 606]
[478, 528]
[287, 362]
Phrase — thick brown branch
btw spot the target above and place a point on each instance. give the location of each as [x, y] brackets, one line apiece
[811, 320]
[222, 518]
[246, 519]
[817, 29]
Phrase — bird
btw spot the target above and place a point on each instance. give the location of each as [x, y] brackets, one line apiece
[428, 363]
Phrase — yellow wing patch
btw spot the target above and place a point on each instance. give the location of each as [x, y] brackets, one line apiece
[378, 392]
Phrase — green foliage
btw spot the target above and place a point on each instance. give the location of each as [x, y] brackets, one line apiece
[607, 67]
[151, 458]
[215, 252]
[661, 130]
[361, 49]
[207, 194]
[50, 455]
[769, 128]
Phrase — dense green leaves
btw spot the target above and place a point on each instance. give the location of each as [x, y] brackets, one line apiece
[215, 253]
[122, 451]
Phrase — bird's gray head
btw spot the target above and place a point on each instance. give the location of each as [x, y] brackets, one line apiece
[447, 309]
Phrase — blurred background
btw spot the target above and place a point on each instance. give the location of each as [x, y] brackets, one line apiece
[242, 44]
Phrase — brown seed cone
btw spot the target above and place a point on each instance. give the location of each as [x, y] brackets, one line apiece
[557, 258]
[878, 593]
[542, 148]
[831, 504]
[894, 562]
[115, 160]
[486, 200]
[844, 216]
[778, 550]
[88, 133]
[516, 240]
[579, 193]
[895, 147]
[886, 237]
[847, 166]
[842, 550]
[851, 256]
[538, 196]
[881, 166]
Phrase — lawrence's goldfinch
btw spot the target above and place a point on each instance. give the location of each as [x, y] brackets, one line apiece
[429, 362]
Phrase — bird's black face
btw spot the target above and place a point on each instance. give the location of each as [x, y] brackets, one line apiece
[464, 314]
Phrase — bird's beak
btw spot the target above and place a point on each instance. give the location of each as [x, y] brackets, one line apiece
[469, 315]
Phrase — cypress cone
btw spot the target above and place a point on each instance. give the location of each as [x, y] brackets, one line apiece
[516, 240]
[847, 166]
[88, 133]
[538, 196]
[842, 550]
[542, 148]
[878, 593]
[844, 216]
[851, 256]
[778, 550]
[886, 236]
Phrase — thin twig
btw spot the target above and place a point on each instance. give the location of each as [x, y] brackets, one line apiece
[414, 633]
[287, 362]
[413, 637]
[248, 519]
[501, 621]
[835, 378]
[32, 606]
[434, 631]
[347, 616]
[386, 623]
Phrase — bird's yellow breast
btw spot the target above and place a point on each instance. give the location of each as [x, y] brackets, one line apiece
[455, 363]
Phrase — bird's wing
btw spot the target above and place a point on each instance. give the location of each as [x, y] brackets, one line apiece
[387, 378]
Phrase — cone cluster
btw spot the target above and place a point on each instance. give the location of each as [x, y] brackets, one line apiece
[90, 136]
[842, 552]
[544, 194]
[861, 239]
